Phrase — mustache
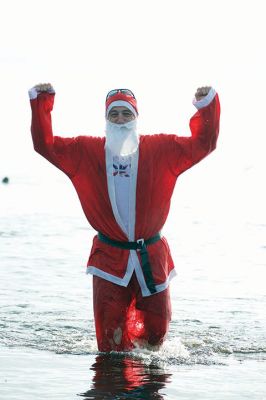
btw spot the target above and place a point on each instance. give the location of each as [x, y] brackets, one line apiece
[111, 126]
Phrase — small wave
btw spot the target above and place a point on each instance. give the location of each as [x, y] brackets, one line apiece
[172, 352]
[63, 335]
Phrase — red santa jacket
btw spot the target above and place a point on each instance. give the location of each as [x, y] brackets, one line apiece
[162, 158]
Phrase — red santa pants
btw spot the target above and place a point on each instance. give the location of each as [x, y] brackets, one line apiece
[124, 318]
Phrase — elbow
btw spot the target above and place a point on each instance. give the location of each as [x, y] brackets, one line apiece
[40, 149]
[215, 139]
[37, 147]
[213, 146]
[211, 143]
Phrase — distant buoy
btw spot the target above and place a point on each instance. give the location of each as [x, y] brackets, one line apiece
[5, 180]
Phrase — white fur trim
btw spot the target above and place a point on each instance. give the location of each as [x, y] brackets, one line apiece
[139, 274]
[121, 103]
[33, 93]
[111, 278]
[163, 286]
[132, 194]
[125, 280]
[205, 101]
[140, 277]
[111, 188]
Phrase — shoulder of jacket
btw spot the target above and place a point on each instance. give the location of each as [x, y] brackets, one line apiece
[157, 138]
[92, 140]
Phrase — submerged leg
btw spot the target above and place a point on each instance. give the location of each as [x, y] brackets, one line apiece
[111, 303]
[155, 329]
[150, 322]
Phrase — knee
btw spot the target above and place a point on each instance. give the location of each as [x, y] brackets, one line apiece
[113, 338]
[109, 338]
[114, 335]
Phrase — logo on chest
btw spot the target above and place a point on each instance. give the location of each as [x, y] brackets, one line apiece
[122, 170]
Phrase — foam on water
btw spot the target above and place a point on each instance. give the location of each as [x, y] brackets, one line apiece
[63, 334]
[171, 352]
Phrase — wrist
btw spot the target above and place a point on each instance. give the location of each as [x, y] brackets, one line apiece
[205, 101]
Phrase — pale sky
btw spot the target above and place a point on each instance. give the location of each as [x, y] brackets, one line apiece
[162, 50]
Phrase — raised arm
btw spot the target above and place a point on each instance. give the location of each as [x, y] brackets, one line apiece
[64, 153]
[204, 126]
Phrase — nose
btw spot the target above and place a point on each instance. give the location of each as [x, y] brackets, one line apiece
[121, 119]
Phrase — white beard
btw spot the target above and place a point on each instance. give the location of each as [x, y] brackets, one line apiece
[122, 139]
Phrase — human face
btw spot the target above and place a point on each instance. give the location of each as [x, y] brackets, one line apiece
[120, 115]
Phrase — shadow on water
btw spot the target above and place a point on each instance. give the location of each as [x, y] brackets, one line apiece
[120, 377]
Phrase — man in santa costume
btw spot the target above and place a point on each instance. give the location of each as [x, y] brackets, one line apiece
[125, 182]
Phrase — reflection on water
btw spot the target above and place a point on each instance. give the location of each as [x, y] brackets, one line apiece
[117, 376]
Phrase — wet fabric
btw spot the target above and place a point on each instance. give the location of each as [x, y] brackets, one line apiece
[125, 319]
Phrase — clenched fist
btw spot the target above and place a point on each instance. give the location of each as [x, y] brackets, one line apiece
[202, 92]
[44, 87]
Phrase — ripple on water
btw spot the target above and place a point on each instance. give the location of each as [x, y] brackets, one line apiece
[61, 334]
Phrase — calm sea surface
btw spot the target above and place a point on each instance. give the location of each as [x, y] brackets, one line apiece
[216, 347]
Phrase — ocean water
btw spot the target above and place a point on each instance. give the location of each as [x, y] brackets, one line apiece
[216, 347]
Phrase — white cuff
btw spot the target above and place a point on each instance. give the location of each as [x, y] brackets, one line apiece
[205, 101]
[33, 93]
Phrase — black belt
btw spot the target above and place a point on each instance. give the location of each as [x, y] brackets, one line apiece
[140, 245]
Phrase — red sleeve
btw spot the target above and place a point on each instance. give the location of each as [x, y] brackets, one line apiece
[204, 126]
[64, 153]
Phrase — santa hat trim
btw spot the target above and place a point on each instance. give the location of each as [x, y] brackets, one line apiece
[121, 103]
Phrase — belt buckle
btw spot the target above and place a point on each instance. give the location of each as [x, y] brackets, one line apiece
[141, 243]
